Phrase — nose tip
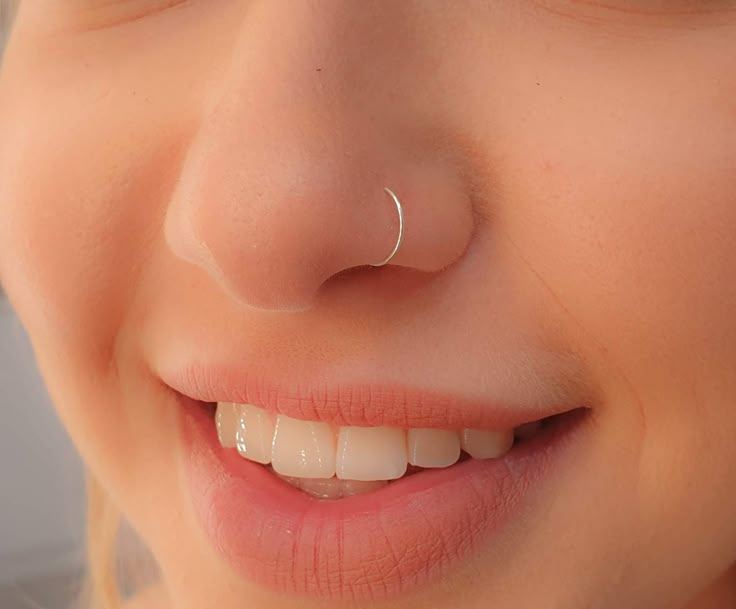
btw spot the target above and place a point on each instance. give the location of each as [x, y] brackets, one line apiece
[274, 250]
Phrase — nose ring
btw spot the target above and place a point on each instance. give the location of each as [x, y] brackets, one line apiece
[401, 227]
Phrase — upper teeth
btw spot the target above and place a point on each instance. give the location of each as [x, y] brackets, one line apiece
[310, 449]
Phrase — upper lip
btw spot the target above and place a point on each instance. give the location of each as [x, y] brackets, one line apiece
[365, 404]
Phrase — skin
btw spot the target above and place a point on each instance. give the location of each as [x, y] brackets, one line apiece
[185, 178]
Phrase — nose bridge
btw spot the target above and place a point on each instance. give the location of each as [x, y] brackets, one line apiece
[283, 185]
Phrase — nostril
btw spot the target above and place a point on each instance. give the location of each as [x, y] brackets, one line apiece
[371, 292]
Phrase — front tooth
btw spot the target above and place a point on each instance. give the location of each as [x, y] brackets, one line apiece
[433, 447]
[255, 434]
[226, 421]
[303, 449]
[371, 453]
[486, 444]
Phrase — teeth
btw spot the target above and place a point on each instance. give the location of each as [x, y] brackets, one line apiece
[371, 453]
[303, 449]
[356, 487]
[335, 463]
[254, 434]
[226, 419]
[433, 447]
[486, 444]
[334, 488]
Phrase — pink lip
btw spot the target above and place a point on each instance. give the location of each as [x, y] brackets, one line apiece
[354, 404]
[374, 546]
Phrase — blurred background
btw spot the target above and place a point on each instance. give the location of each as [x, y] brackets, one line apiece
[41, 485]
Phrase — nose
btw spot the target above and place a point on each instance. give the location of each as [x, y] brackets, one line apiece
[283, 184]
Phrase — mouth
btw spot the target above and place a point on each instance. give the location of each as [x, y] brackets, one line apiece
[331, 462]
[332, 507]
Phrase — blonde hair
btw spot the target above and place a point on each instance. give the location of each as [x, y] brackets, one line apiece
[101, 589]
[118, 563]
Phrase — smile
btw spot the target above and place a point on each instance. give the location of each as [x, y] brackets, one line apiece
[352, 503]
[330, 462]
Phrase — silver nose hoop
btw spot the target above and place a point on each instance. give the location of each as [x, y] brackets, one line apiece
[401, 227]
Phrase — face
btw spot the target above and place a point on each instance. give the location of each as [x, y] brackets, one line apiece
[192, 195]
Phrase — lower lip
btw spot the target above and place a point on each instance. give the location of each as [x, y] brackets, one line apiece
[375, 546]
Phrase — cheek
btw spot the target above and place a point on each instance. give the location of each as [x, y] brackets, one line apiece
[646, 263]
[82, 222]
[90, 152]
[632, 229]
[622, 199]
[617, 191]
[84, 216]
